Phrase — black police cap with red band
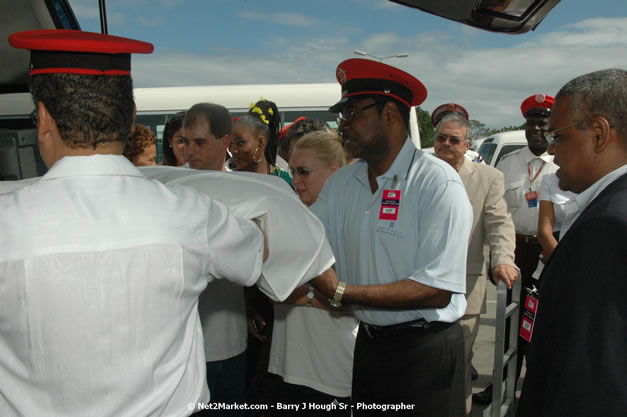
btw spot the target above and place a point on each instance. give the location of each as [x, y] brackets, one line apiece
[540, 104]
[362, 78]
[77, 52]
[445, 109]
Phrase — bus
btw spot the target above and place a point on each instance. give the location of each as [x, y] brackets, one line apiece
[155, 106]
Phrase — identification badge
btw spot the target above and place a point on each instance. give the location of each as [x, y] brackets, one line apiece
[532, 198]
[390, 203]
[529, 317]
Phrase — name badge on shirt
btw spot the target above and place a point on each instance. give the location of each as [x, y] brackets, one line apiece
[529, 317]
[532, 198]
[390, 202]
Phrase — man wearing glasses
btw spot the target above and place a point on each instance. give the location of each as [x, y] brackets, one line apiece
[492, 225]
[398, 221]
[576, 358]
[523, 170]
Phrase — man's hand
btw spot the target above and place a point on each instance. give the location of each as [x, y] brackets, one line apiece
[506, 273]
[256, 326]
[326, 283]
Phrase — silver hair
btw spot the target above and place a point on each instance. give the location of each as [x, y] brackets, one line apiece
[459, 119]
[600, 93]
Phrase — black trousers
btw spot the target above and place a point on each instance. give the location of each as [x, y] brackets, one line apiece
[418, 370]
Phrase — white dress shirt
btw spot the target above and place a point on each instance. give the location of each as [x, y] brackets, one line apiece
[100, 273]
[523, 173]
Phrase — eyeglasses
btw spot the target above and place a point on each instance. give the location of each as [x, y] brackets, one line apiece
[302, 171]
[453, 139]
[348, 114]
[552, 137]
[34, 117]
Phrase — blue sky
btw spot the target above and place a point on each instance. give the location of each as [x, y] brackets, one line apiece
[216, 42]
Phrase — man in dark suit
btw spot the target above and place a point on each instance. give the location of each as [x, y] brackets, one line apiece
[577, 359]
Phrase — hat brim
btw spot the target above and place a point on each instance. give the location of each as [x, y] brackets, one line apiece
[540, 111]
[337, 107]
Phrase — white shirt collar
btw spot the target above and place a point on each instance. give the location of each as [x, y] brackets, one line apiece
[530, 156]
[93, 165]
[575, 206]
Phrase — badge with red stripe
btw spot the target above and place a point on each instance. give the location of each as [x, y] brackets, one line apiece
[390, 203]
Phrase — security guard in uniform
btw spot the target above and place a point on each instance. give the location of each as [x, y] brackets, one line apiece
[523, 170]
[100, 267]
[398, 221]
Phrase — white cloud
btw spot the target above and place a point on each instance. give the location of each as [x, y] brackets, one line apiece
[490, 82]
[291, 19]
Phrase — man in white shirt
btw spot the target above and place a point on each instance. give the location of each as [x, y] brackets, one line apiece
[207, 136]
[222, 309]
[101, 268]
[523, 170]
[577, 355]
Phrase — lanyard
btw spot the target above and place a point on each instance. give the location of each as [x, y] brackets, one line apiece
[395, 179]
[531, 180]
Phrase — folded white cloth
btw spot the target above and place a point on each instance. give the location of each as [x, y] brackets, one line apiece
[299, 250]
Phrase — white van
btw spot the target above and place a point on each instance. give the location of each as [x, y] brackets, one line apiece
[495, 146]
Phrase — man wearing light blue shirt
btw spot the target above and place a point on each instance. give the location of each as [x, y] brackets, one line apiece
[398, 222]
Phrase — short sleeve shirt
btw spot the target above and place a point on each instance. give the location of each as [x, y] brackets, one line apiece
[550, 191]
[427, 241]
[523, 172]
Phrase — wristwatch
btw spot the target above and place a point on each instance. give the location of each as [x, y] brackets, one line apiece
[310, 295]
[336, 301]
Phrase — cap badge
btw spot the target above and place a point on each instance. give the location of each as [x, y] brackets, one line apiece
[540, 98]
[341, 75]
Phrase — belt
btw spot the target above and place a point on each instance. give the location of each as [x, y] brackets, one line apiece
[527, 239]
[395, 330]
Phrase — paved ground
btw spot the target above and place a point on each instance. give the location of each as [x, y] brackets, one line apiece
[484, 351]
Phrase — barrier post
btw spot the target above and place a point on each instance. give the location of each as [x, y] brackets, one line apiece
[502, 403]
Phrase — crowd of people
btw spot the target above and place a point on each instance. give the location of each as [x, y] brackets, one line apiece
[122, 296]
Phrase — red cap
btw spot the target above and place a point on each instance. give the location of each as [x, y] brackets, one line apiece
[445, 109]
[284, 130]
[77, 52]
[364, 77]
[537, 104]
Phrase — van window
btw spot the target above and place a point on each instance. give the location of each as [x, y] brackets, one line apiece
[487, 152]
[505, 150]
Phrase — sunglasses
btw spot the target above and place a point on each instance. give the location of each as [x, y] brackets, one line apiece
[452, 139]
